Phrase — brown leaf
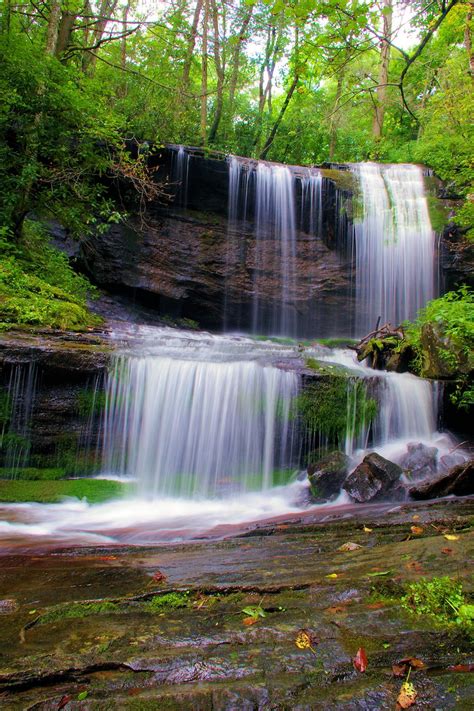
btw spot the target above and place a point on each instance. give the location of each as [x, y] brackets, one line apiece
[416, 530]
[415, 566]
[158, 577]
[250, 621]
[360, 660]
[407, 695]
[336, 609]
[64, 701]
[447, 551]
[402, 667]
[462, 668]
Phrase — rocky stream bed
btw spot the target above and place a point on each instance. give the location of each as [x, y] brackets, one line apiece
[179, 626]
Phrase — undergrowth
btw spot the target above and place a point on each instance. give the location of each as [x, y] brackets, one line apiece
[38, 286]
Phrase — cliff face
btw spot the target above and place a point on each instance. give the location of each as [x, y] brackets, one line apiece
[51, 399]
[187, 260]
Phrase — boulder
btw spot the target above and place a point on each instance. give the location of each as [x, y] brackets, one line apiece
[374, 479]
[326, 475]
[459, 481]
[420, 461]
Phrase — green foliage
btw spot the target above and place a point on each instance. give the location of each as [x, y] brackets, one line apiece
[441, 598]
[452, 318]
[168, 601]
[49, 492]
[38, 286]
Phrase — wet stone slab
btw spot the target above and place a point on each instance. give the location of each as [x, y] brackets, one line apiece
[164, 627]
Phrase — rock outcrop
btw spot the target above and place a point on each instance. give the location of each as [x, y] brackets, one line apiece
[51, 398]
[459, 481]
[327, 474]
[375, 479]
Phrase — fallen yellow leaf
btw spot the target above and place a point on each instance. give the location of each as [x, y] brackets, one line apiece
[366, 529]
[416, 530]
[407, 695]
[451, 537]
[331, 575]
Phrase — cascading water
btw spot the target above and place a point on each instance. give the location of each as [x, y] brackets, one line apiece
[180, 175]
[275, 233]
[394, 245]
[268, 195]
[195, 428]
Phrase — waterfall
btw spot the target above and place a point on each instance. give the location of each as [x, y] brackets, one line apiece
[311, 218]
[195, 428]
[17, 409]
[275, 232]
[394, 245]
[180, 175]
[268, 194]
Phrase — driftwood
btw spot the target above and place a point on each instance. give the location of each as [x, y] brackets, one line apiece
[373, 345]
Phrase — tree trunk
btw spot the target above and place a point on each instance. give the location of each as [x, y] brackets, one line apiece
[334, 120]
[53, 27]
[273, 132]
[204, 75]
[107, 8]
[381, 102]
[191, 44]
[218, 61]
[236, 59]
[468, 38]
[65, 32]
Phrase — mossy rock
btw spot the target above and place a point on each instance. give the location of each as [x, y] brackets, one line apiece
[327, 473]
[442, 357]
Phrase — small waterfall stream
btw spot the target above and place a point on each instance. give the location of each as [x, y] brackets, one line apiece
[394, 245]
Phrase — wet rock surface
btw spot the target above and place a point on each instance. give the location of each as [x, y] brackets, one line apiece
[327, 474]
[459, 481]
[374, 479]
[420, 460]
[52, 384]
[87, 632]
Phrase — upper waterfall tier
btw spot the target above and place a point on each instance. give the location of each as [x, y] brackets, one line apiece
[253, 246]
[394, 245]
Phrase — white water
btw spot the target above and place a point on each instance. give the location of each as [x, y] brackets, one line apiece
[394, 245]
[180, 175]
[196, 428]
[216, 410]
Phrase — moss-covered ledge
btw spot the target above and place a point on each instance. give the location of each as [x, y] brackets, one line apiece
[88, 353]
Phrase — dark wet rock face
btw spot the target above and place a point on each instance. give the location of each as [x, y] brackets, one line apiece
[327, 474]
[420, 461]
[374, 479]
[459, 481]
[51, 387]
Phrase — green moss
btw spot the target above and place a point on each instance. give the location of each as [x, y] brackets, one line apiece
[335, 406]
[90, 402]
[168, 601]
[336, 342]
[38, 286]
[77, 610]
[32, 474]
[48, 492]
[439, 212]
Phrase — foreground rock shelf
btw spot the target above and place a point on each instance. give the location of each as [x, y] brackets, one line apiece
[163, 627]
